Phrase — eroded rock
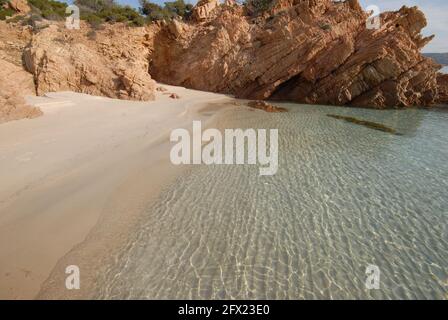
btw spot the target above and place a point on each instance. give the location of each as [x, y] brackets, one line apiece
[115, 65]
[20, 6]
[315, 52]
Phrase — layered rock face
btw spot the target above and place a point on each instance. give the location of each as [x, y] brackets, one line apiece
[112, 62]
[307, 51]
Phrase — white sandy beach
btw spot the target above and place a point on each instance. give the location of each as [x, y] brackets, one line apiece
[87, 159]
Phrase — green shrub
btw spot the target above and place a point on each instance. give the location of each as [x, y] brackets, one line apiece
[50, 9]
[92, 19]
[98, 11]
[6, 13]
[16, 19]
[154, 12]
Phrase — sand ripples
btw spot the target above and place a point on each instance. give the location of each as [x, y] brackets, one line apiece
[344, 197]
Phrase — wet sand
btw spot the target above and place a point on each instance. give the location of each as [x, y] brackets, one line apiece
[75, 180]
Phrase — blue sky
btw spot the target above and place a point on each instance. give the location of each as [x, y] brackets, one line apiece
[436, 12]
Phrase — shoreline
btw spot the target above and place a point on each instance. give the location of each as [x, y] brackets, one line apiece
[109, 157]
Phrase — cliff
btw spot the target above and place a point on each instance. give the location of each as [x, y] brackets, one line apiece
[111, 62]
[307, 51]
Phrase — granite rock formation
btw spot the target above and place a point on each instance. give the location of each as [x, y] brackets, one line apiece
[442, 81]
[306, 51]
[112, 62]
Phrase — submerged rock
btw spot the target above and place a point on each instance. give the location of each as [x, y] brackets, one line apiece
[365, 123]
[263, 105]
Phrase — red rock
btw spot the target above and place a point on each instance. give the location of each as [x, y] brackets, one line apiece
[314, 51]
[115, 65]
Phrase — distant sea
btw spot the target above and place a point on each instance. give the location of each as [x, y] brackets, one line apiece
[444, 69]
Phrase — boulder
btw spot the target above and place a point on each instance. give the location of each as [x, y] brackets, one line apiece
[19, 6]
[114, 66]
[204, 9]
[263, 105]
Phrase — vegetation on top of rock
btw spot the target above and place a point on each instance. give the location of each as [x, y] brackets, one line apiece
[49, 9]
[98, 11]
[155, 12]
[5, 11]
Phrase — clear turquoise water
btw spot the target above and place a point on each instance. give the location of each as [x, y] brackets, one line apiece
[345, 196]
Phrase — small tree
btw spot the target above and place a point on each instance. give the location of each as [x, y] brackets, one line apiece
[179, 8]
[155, 12]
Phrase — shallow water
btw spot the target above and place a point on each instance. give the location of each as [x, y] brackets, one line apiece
[345, 196]
[444, 69]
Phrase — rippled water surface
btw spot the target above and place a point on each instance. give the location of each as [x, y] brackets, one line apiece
[345, 196]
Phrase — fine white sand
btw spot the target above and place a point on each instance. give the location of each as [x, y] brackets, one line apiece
[74, 180]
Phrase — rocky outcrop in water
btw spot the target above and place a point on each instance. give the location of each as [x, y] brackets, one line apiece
[316, 52]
